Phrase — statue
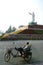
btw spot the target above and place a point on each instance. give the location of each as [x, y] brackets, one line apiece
[33, 19]
[33, 16]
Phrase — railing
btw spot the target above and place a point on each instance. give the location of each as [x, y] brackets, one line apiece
[25, 36]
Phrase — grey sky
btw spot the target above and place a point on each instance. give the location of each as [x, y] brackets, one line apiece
[15, 12]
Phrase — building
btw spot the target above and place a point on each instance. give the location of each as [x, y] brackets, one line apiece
[32, 32]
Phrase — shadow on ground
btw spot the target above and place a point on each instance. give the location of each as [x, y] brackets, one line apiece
[22, 62]
[35, 61]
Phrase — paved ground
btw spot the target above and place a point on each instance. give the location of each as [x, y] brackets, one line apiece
[37, 52]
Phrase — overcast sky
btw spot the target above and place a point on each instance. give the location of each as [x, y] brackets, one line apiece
[16, 12]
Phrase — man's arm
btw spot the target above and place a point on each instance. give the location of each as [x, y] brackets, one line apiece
[24, 46]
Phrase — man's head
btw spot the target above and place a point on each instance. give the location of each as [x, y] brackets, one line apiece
[27, 43]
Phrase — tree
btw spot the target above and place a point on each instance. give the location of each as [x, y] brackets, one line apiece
[10, 29]
[13, 29]
[21, 26]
